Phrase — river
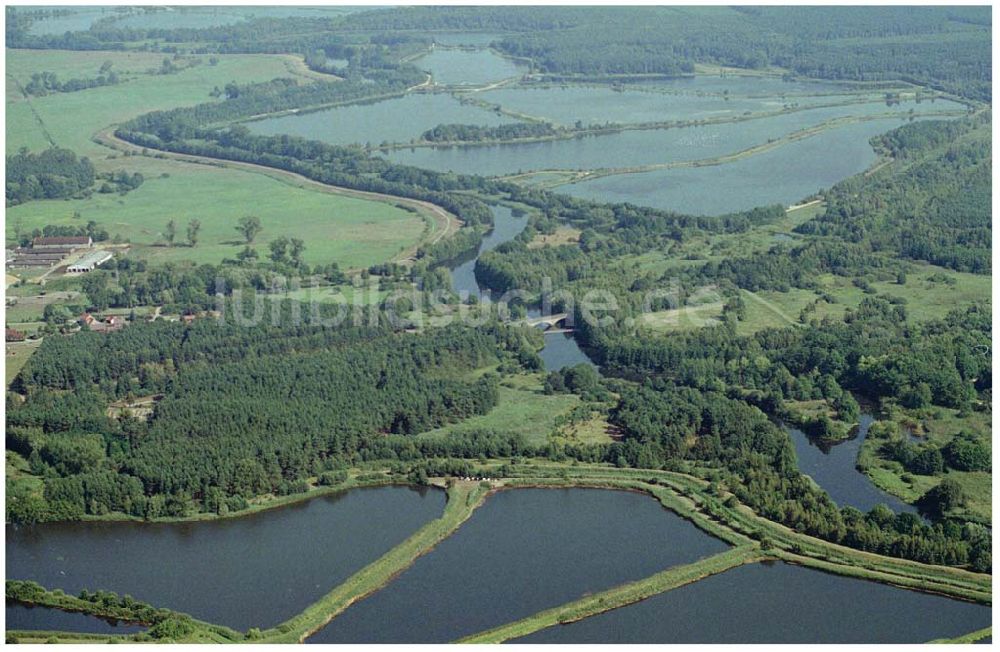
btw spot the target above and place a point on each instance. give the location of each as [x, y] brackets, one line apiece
[560, 349]
[831, 464]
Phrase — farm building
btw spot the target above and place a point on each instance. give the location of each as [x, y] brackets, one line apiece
[62, 242]
[90, 262]
[102, 325]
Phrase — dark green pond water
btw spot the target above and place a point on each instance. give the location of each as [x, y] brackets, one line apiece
[246, 572]
[523, 551]
[19, 616]
[777, 603]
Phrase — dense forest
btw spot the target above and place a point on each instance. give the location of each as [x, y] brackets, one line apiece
[945, 47]
[239, 411]
[943, 174]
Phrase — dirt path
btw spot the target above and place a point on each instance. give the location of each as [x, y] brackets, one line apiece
[773, 308]
[801, 206]
[442, 223]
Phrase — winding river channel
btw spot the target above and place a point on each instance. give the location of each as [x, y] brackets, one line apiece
[560, 350]
[528, 549]
[832, 466]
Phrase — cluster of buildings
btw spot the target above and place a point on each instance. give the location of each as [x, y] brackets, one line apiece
[105, 324]
[49, 252]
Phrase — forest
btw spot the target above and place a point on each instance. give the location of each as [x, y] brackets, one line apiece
[943, 173]
[240, 411]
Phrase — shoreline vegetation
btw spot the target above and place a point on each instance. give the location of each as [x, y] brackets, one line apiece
[753, 539]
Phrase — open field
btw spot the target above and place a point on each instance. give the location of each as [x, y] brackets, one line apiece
[16, 356]
[930, 292]
[71, 119]
[562, 236]
[523, 409]
[936, 425]
[688, 317]
[351, 232]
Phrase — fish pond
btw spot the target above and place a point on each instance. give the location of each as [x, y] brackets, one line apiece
[777, 603]
[523, 551]
[252, 571]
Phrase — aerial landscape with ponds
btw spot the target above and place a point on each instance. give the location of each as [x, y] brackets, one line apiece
[549, 553]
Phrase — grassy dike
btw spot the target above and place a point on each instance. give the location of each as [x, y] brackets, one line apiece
[463, 499]
[754, 539]
[620, 596]
[971, 637]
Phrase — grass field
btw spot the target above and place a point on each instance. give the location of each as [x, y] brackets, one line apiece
[926, 297]
[351, 232]
[688, 317]
[936, 425]
[16, 356]
[70, 119]
[523, 409]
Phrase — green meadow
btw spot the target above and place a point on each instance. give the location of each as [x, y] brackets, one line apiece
[929, 292]
[71, 119]
[524, 410]
[351, 232]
